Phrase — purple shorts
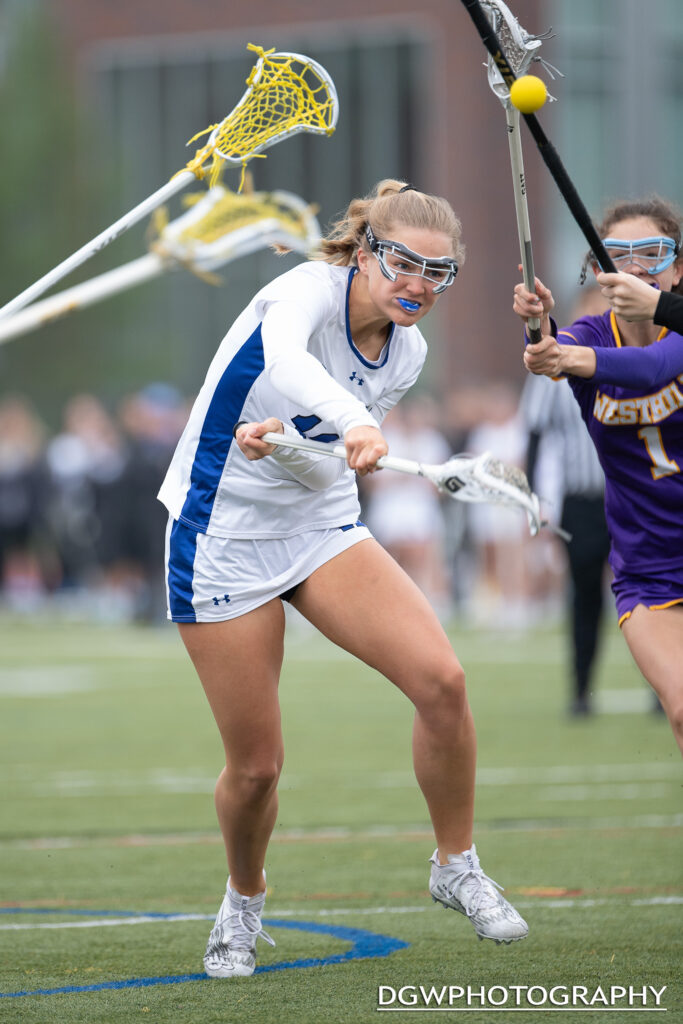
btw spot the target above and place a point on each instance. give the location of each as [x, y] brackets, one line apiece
[660, 589]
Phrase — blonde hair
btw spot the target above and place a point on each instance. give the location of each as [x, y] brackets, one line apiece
[386, 208]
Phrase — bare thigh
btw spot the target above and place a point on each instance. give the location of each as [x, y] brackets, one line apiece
[238, 662]
[655, 639]
[365, 603]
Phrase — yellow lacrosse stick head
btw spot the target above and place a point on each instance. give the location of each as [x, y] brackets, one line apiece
[286, 93]
[219, 226]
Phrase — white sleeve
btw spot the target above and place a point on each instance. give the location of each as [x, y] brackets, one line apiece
[312, 470]
[387, 402]
[299, 376]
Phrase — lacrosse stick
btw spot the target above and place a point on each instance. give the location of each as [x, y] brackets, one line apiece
[545, 147]
[480, 478]
[219, 227]
[521, 49]
[286, 93]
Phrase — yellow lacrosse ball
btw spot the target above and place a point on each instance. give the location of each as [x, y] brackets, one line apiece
[528, 94]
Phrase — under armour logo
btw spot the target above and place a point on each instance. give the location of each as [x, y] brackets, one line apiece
[359, 380]
[225, 597]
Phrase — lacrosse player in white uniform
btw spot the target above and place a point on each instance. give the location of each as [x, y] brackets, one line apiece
[323, 351]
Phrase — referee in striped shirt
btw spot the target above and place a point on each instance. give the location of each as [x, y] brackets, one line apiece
[549, 406]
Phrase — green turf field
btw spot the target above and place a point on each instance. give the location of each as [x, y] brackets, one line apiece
[112, 869]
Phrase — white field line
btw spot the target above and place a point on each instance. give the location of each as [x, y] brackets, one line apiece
[46, 681]
[494, 654]
[557, 782]
[344, 835]
[300, 646]
[633, 700]
[102, 922]
[174, 786]
[114, 922]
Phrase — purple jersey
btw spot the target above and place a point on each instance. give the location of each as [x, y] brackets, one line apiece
[638, 434]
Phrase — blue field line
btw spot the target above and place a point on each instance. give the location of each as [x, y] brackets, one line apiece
[365, 945]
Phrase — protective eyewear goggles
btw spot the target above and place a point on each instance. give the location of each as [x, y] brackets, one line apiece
[395, 258]
[651, 254]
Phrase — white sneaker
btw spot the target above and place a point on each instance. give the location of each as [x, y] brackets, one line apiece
[463, 886]
[231, 950]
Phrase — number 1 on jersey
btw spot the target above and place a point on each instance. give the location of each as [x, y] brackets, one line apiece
[662, 465]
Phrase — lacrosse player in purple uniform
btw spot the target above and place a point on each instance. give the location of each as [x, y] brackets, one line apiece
[324, 350]
[626, 373]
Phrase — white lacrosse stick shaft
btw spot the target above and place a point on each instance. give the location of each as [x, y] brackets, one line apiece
[521, 50]
[82, 295]
[522, 212]
[339, 452]
[147, 206]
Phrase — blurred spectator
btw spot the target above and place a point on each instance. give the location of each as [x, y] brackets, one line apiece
[499, 534]
[404, 512]
[79, 514]
[461, 412]
[22, 493]
[86, 462]
[153, 420]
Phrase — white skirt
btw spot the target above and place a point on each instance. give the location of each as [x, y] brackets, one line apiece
[210, 579]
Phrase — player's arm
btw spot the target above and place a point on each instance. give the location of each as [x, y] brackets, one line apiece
[317, 472]
[364, 446]
[629, 296]
[634, 299]
[301, 378]
[548, 357]
[650, 367]
[552, 359]
[628, 366]
[669, 311]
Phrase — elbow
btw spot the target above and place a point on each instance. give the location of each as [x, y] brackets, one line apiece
[320, 481]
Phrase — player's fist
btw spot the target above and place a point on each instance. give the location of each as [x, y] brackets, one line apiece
[629, 296]
[529, 304]
[545, 357]
[364, 446]
[248, 437]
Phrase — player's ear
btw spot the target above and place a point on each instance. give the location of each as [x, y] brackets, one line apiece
[362, 258]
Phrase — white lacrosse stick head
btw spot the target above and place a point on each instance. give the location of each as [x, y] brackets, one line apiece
[520, 47]
[484, 478]
[223, 225]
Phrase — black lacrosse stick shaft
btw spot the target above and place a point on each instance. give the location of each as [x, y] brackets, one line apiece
[545, 146]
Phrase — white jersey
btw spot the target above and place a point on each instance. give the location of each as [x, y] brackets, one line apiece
[290, 355]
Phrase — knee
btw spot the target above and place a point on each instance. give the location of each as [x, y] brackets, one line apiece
[444, 696]
[253, 779]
